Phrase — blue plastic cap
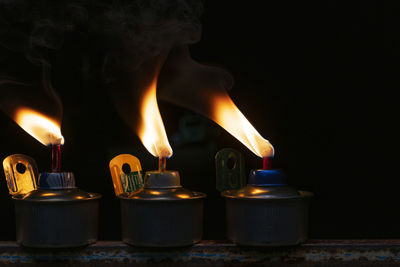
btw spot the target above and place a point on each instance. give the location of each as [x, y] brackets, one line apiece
[267, 178]
[56, 180]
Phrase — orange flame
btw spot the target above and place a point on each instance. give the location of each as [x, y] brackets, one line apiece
[151, 130]
[44, 129]
[229, 117]
[202, 88]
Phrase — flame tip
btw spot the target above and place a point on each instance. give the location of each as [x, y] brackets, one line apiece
[229, 117]
[43, 128]
[151, 131]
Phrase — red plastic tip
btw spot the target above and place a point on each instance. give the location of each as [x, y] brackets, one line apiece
[267, 163]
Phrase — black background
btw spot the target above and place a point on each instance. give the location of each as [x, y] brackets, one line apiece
[318, 79]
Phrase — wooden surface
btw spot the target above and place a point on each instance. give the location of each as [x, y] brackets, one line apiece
[206, 253]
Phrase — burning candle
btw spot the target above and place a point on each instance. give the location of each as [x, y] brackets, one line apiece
[266, 199]
[151, 129]
[56, 195]
[44, 129]
[229, 117]
[161, 213]
[202, 88]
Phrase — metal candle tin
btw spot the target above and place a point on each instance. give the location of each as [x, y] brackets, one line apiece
[56, 215]
[267, 212]
[162, 213]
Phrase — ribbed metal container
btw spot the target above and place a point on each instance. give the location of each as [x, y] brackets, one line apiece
[162, 214]
[57, 218]
[267, 212]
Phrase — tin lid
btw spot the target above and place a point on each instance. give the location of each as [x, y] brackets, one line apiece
[266, 184]
[267, 178]
[159, 194]
[163, 186]
[56, 187]
[263, 192]
[57, 195]
[164, 179]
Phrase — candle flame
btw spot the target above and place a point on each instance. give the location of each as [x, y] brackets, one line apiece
[43, 128]
[151, 130]
[202, 88]
[228, 116]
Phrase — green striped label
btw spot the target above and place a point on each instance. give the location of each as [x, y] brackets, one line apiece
[131, 181]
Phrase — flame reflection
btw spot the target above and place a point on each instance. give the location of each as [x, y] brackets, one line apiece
[183, 196]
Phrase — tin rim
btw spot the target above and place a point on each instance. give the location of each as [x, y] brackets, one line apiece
[302, 195]
[198, 195]
[93, 196]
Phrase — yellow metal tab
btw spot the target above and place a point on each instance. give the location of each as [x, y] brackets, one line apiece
[21, 172]
[230, 168]
[126, 173]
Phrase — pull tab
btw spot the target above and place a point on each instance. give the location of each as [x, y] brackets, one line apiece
[126, 173]
[230, 168]
[21, 172]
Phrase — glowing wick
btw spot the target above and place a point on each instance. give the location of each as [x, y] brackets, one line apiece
[162, 164]
[56, 158]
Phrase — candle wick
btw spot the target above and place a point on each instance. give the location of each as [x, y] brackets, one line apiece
[56, 158]
[162, 164]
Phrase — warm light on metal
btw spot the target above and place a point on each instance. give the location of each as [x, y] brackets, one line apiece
[183, 196]
[126, 182]
[20, 172]
[258, 191]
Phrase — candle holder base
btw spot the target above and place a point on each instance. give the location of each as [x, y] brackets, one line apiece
[162, 214]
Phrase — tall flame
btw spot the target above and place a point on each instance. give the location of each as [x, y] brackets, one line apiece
[44, 129]
[151, 129]
[226, 114]
[202, 88]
